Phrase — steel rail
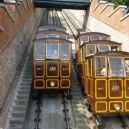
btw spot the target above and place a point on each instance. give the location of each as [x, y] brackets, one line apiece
[38, 112]
[122, 121]
[65, 111]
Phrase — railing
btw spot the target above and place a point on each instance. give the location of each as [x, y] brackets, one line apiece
[18, 67]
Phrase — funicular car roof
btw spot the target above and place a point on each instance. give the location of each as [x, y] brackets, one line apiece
[52, 26]
[95, 34]
[104, 42]
[51, 32]
[109, 53]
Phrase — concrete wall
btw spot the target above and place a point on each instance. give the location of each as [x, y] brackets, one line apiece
[19, 25]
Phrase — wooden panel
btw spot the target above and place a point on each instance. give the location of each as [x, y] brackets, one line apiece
[50, 82]
[88, 86]
[52, 68]
[65, 83]
[65, 69]
[101, 106]
[39, 69]
[115, 88]
[100, 88]
[81, 70]
[39, 83]
[127, 105]
[126, 84]
[111, 105]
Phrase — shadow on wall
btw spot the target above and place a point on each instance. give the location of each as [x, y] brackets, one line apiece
[86, 16]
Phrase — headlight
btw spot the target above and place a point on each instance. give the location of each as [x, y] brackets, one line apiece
[52, 83]
[117, 107]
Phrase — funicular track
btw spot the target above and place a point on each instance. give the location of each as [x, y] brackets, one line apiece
[76, 114]
[112, 122]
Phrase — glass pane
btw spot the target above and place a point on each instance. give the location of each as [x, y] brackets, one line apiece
[94, 38]
[52, 36]
[41, 36]
[84, 39]
[103, 48]
[100, 66]
[39, 51]
[65, 53]
[51, 29]
[41, 29]
[62, 36]
[126, 65]
[61, 30]
[52, 51]
[104, 38]
[90, 49]
[116, 67]
[114, 48]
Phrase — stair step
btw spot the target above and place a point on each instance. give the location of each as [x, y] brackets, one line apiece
[24, 87]
[76, 102]
[22, 97]
[23, 92]
[18, 114]
[82, 125]
[14, 126]
[26, 80]
[79, 113]
[21, 102]
[27, 76]
[28, 70]
[25, 84]
[19, 108]
[14, 122]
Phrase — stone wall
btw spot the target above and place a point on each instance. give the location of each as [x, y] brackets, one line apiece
[19, 25]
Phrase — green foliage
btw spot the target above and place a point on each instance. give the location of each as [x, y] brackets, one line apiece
[118, 2]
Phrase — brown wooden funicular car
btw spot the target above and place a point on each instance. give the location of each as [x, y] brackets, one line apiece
[52, 58]
[107, 83]
[103, 69]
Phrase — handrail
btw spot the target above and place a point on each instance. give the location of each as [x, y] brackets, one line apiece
[18, 67]
[86, 29]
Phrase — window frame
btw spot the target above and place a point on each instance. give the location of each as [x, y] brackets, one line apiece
[58, 51]
[69, 51]
[110, 66]
[102, 45]
[115, 45]
[40, 34]
[51, 37]
[90, 45]
[94, 37]
[101, 70]
[81, 39]
[42, 28]
[63, 35]
[104, 37]
[35, 50]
